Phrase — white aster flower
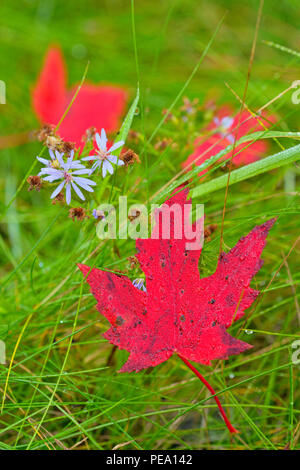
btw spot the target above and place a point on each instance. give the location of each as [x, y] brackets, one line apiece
[225, 124]
[67, 172]
[56, 160]
[139, 284]
[104, 156]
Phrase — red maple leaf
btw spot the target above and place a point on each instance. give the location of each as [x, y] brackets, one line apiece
[224, 129]
[180, 313]
[95, 106]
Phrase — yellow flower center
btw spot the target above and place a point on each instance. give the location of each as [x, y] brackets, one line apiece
[55, 164]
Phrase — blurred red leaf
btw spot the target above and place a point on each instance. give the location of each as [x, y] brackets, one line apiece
[96, 106]
[224, 129]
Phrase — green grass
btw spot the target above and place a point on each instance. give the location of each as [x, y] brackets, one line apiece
[62, 390]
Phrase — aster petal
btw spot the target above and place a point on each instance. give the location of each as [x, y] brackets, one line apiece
[227, 122]
[116, 146]
[59, 157]
[103, 141]
[112, 159]
[115, 160]
[77, 191]
[51, 178]
[90, 157]
[51, 153]
[98, 140]
[84, 171]
[52, 171]
[139, 284]
[44, 161]
[85, 186]
[78, 167]
[104, 169]
[57, 190]
[230, 138]
[47, 169]
[77, 164]
[43, 173]
[79, 180]
[68, 193]
[97, 164]
[68, 163]
[109, 167]
[64, 166]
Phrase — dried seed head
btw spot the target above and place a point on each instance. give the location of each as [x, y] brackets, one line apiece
[59, 198]
[130, 157]
[163, 144]
[77, 213]
[134, 136]
[66, 147]
[89, 134]
[209, 230]
[190, 107]
[45, 132]
[53, 142]
[133, 262]
[34, 182]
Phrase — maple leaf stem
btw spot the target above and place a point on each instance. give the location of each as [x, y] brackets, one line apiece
[231, 429]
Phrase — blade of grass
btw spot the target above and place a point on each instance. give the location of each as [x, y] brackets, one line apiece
[61, 371]
[285, 157]
[255, 136]
[125, 128]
